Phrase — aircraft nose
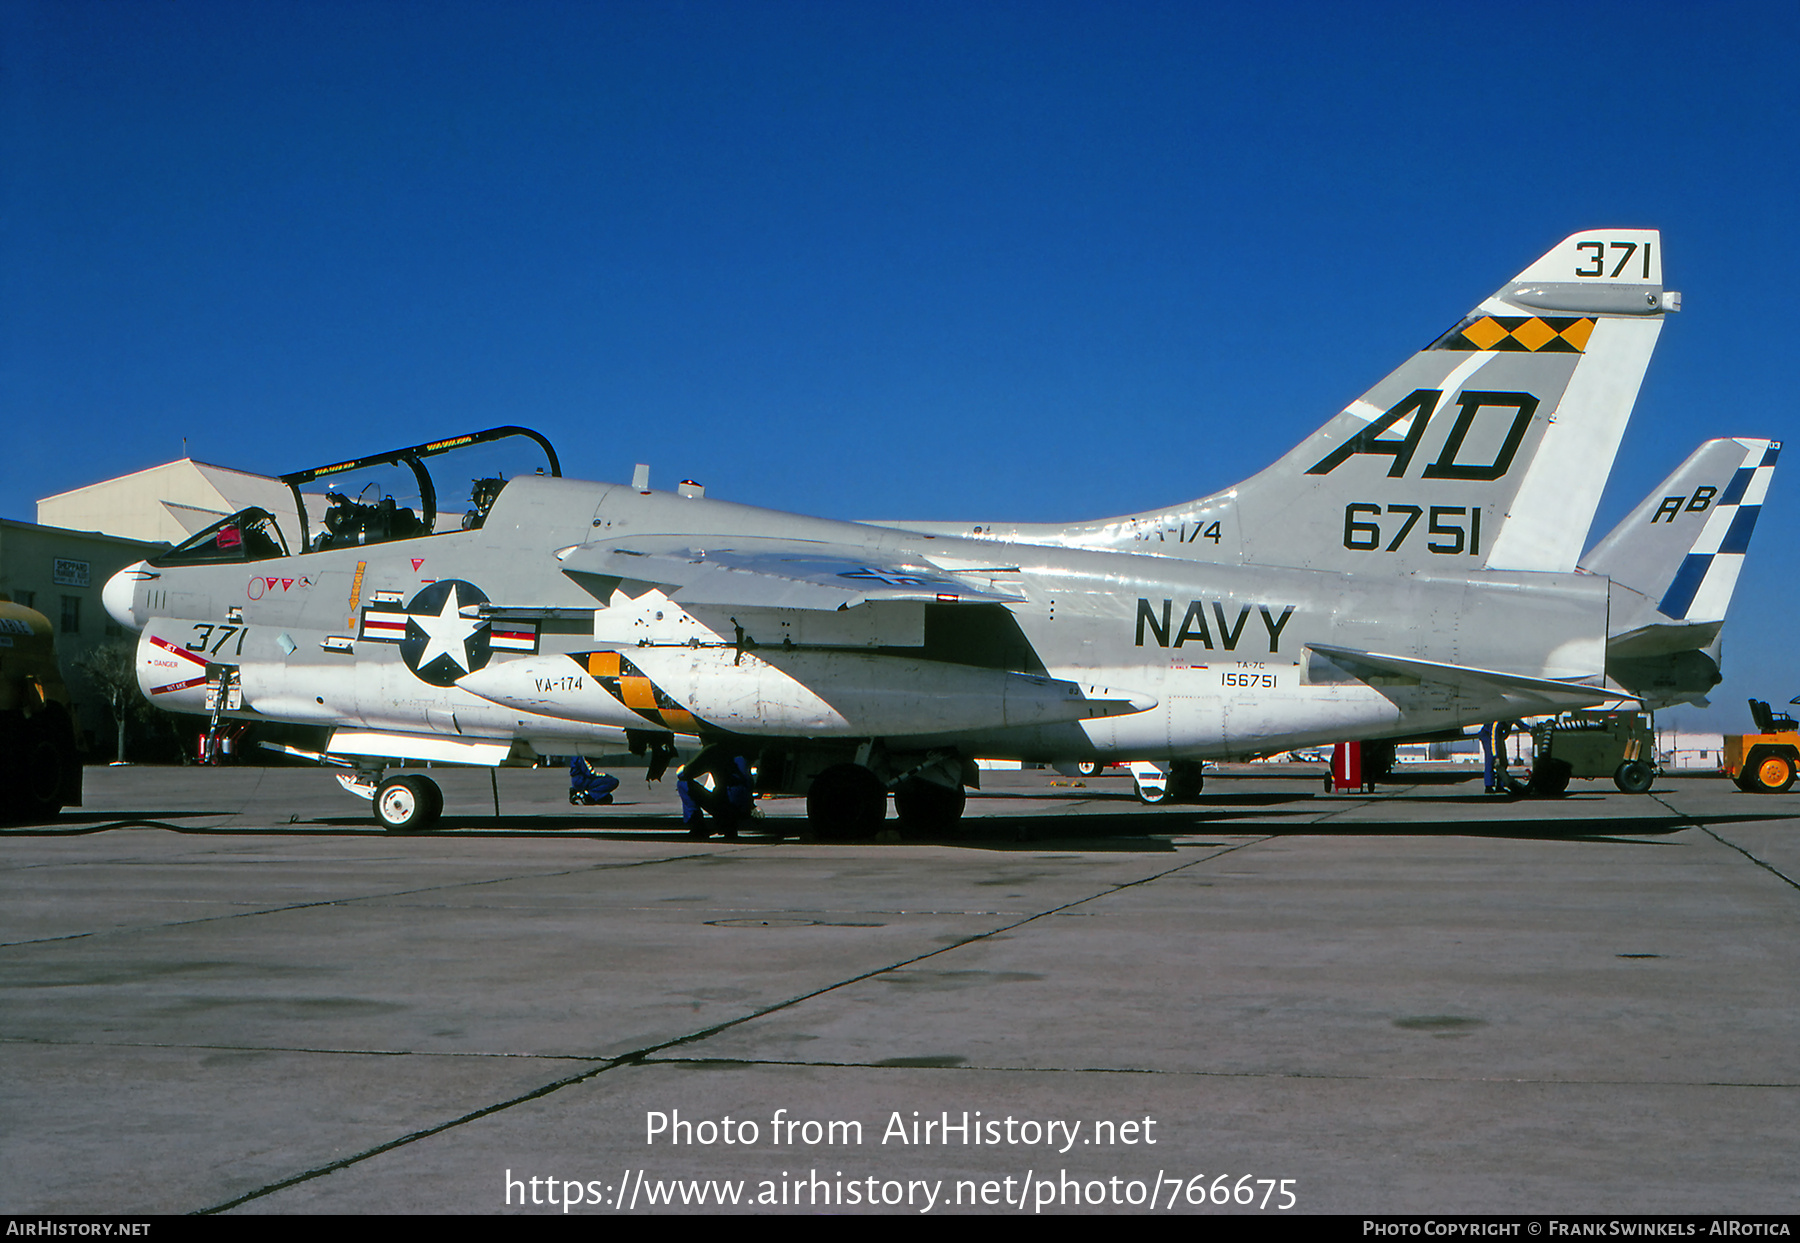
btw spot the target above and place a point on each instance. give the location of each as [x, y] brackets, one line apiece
[121, 589]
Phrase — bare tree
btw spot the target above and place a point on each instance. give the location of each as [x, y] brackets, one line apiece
[112, 669]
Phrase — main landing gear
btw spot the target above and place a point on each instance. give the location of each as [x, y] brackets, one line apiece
[408, 804]
[925, 807]
[849, 801]
[403, 804]
[846, 801]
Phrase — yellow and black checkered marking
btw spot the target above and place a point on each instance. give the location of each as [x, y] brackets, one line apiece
[1519, 334]
[626, 683]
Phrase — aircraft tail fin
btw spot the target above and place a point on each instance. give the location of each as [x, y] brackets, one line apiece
[1681, 549]
[1487, 449]
[1674, 562]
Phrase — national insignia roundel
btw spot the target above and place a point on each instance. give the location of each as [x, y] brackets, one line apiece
[441, 645]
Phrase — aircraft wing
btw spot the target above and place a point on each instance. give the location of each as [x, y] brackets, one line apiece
[1553, 695]
[770, 573]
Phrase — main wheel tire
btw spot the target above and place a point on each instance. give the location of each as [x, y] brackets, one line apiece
[407, 804]
[1634, 777]
[1551, 778]
[40, 767]
[1769, 772]
[1089, 768]
[42, 772]
[434, 794]
[927, 807]
[846, 801]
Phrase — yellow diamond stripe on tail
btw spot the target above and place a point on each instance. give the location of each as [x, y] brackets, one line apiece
[1519, 334]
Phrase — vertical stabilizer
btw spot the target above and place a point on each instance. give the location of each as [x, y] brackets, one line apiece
[1487, 449]
[1681, 549]
[1673, 563]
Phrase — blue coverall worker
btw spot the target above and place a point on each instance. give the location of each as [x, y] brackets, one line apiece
[728, 801]
[588, 788]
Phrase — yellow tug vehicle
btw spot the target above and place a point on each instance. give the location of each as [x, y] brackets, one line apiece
[40, 764]
[1764, 762]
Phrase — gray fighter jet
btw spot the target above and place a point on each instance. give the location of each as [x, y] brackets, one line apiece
[1410, 567]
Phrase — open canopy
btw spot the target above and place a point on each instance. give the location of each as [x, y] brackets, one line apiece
[399, 494]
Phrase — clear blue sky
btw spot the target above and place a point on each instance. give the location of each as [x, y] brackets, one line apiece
[1025, 260]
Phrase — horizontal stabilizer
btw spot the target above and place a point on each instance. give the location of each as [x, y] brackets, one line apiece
[793, 574]
[1549, 693]
[1648, 641]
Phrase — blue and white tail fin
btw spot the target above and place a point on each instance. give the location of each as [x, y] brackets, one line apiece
[1681, 549]
[1487, 449]
[1673, 563]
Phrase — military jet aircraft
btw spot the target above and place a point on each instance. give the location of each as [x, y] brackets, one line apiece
[1410, 567]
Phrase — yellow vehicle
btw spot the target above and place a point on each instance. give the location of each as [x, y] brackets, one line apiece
[1764, 762]
[40, 765]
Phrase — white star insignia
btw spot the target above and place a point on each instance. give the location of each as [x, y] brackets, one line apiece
[447, 633]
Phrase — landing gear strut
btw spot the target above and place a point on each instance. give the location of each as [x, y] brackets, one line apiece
[1181, 783]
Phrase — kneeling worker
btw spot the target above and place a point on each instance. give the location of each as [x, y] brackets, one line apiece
[728, 800]
[588, 788]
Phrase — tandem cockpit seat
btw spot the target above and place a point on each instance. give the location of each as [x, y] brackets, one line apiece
[350, 524]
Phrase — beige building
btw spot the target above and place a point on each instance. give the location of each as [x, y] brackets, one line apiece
[168, 502]
[60, 574]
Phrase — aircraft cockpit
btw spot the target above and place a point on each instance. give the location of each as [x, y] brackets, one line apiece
[417, 491]
[248, 535]
[398, 495]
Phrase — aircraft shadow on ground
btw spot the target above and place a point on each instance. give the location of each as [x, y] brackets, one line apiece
[1425, 779]
[68, 825]
[1237, 814]
[1261, 798]
[1141, 831]
[1105, 832]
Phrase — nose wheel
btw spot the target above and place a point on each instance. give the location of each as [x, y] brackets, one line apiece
[408, 804]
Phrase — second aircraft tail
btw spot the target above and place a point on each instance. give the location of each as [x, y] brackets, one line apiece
[1673, 563]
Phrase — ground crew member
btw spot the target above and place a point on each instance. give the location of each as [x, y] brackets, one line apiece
[729, 799]
[588, 788]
